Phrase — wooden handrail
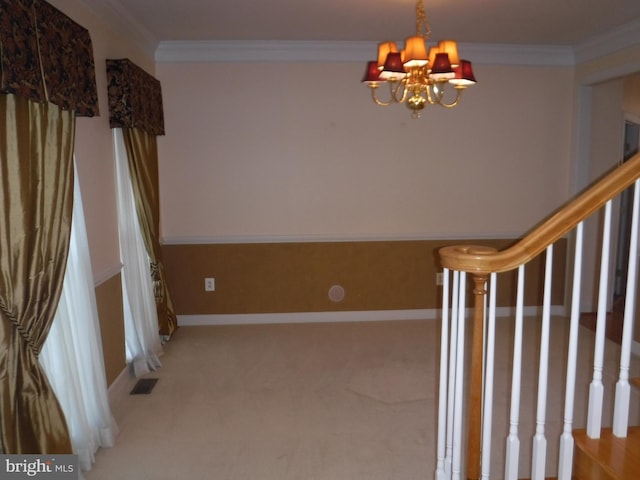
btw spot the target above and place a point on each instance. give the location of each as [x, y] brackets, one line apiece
[478, 259]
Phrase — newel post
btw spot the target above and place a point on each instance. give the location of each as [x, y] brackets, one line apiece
[477, 370]
[474, 260]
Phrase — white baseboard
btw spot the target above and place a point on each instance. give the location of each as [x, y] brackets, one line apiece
[304, 317]
[334, 317]
[121, 386]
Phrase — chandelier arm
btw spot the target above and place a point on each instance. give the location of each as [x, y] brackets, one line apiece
[455, 102]
[430, 99]
[375, 98]
[405, 91]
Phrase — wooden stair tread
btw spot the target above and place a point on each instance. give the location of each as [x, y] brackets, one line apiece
[613, 457]
[635, 381]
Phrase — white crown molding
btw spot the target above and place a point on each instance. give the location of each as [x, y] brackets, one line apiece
[511, 54]
[118, 17]
[315, 51]
[625, 36]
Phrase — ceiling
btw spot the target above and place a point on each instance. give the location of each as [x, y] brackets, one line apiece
[536, 22]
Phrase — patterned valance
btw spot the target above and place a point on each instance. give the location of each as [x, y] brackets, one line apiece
[135, 98]
[46, 56]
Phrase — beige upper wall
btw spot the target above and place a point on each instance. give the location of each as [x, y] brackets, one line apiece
[299, 150]
[94, 144]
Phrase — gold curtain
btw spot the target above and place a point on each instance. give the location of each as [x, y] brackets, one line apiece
[135, 106]
[142, 153]
[36, 185]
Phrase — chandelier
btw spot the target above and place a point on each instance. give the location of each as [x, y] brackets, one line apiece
[418, 78]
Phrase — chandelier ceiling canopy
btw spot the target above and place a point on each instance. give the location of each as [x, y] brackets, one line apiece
[419, 76]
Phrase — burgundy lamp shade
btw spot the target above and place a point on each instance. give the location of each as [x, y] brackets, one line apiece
[464, 74]
[467, 71]
[393, 67]
[441, 64]
[372, 73]
[441, 69]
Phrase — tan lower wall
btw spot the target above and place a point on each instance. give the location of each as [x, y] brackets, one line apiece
[109, 300]
[296, 277]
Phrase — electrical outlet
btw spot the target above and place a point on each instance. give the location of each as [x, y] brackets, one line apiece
[439, 278]
[209, 284]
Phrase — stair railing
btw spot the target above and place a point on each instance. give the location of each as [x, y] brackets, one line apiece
[482, 264]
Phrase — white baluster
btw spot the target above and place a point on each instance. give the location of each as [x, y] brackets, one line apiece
[596, 389]
[513, 442]
[452, 374]
[565, 461]
[539, 456]
[623, 390]
[487, 415]
[440, 473]
[459, 383]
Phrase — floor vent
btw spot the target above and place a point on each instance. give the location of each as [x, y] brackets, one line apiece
[144, 386]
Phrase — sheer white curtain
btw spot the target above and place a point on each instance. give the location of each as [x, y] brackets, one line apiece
[72, 354]
[142, 339]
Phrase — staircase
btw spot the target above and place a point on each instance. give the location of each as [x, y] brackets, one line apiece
[469, 439]
[607, 458]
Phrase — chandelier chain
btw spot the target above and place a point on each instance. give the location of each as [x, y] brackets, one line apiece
[422, 25]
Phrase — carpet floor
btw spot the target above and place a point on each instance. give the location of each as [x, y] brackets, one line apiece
[332, 401]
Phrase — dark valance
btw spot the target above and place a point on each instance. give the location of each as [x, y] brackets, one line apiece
[135, 98]
[46, 56]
